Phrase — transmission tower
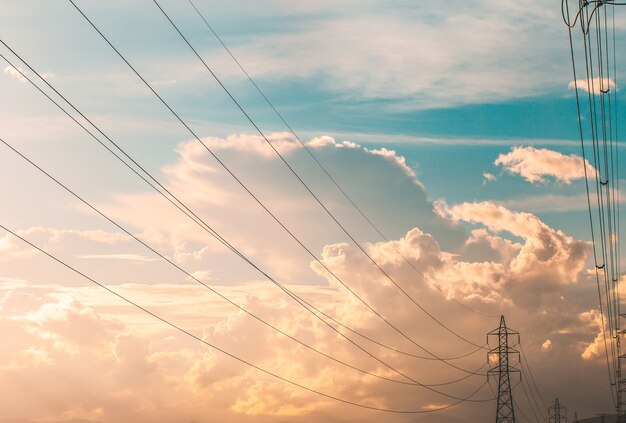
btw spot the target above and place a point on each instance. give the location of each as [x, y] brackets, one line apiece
[621, 381]
[501, 357]
[557, 413]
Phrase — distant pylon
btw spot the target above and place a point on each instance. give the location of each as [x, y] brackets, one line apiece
[575, 417]
[505, 412]
[557, 413]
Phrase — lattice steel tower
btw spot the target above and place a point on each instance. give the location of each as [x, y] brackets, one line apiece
[557, 413]
[621, 381]
[501, 356]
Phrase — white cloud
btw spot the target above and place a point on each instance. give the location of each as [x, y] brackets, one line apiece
[594, 86]
[15, 73]
[488, 267]
[548, 258]
[65, 335]
[18, 73]
[391, 155]
[327, 140]
[451, 55]
[158, 375]
[321, 141]
[534, 165]
[400, 161]
[488, 177]
[592, 319]
[282, 141]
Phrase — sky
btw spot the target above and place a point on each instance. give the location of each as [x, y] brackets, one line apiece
[451, 128]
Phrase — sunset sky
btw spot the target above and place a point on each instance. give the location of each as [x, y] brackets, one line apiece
[451, 125]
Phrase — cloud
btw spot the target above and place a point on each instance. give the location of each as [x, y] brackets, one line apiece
[534, 164]
[91, 247]
[167, 372]
[202, 184]
[508, 262]
[488, 177]
[595, 349]
[53, 237]
[432, 406]
[64, 336]
[487, 268]
[132, 257]
[547, 259]
[72, 322]
[390, 155]
[321, 141]
[548, 202]
[547, 345]
[552, 202]
[594, 86]
[326, 140]
[282, 141]
[449, 56]
[158, 376]
[400, 161]
[67, 337]
[15, 73]
[18, 73]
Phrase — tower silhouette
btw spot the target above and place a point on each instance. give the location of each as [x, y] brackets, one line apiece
[500, 356]
[557, 413]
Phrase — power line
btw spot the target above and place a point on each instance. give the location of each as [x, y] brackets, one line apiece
[524, 416]
[223, 297]
[292, 170]
[606, 174]
[362, 335]
[597, 178]
[241, 182]
[323, 168]
[532, 379]
[188, 212]
[223, 351]
[530, 404]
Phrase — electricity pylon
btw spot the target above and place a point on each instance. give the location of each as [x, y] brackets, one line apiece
[505, 412]
[621, 381]
[557, 413]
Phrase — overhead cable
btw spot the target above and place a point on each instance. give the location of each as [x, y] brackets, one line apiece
[227, 353]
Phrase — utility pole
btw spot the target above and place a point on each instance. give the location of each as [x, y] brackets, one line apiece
[505, 412]
[557, 413]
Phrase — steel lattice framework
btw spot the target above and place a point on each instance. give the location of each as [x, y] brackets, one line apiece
[501, 355]
[557, 413]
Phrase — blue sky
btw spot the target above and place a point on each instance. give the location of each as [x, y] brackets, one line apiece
[451, 124]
